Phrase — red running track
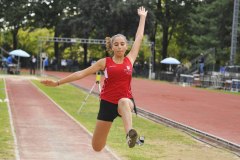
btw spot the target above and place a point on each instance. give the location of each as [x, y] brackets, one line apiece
[215, 113]
[43, 131]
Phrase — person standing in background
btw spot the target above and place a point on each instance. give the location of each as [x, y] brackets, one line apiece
[201, 64]
[33, 62]
[45, 63]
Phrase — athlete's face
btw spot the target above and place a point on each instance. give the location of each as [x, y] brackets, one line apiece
[119, 46]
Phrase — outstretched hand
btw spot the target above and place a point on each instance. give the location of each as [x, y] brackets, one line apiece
[142, 11]
[50, 83]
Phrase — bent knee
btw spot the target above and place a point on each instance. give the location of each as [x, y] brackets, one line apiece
[124, 105]
[123, 102]
[97, 148]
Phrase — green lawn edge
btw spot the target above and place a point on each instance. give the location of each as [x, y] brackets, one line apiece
[6, 137]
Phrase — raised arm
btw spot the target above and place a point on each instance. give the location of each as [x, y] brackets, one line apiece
[142, 12]
[99, 65]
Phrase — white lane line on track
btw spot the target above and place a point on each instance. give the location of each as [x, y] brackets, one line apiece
[17, 155]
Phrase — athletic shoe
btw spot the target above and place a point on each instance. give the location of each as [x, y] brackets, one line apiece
[140, 140]
[132, 138]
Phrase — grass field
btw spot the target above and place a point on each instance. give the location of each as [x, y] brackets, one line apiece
[161, 142]
[6, 139]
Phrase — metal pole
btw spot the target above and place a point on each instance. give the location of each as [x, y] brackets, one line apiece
[150, 68]
[151, 61]
[234, 32]
[40, 59]
[92, 41]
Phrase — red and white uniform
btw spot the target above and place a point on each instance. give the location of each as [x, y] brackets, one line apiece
[117, 83]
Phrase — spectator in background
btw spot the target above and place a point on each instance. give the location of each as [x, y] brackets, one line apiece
[69, 64]
[63, 64]
[45, 63]
[10, 59]
[4, 64]
[222, 70]
[178, 72]
[54, 64]
[201, 64]
[33, 62]
[145, 69]
[10, 64]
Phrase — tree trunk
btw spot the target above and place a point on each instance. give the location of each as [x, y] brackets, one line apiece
[15, 39]
[153, 40]
[165, 42]
[56, 50]
[85, 48]
[165, 27]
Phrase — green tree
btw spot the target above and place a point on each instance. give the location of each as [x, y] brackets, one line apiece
[101, 18]
[28, 41]
[14, 16]
[49, 14]
[172, 15]
[210, 27]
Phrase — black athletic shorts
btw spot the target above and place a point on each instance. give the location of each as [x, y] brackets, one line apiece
[109, 111]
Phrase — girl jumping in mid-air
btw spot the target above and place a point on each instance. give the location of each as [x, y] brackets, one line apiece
[116, 95]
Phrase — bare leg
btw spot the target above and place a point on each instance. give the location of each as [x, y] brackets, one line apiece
[125, 107]
[100, 135]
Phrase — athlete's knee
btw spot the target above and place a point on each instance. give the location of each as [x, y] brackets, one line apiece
[97, 148]
[124, 106]
[123, 102]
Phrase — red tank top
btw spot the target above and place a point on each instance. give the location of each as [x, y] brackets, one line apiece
[117, 83]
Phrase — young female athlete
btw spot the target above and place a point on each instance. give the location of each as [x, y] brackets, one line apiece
[116, 96]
